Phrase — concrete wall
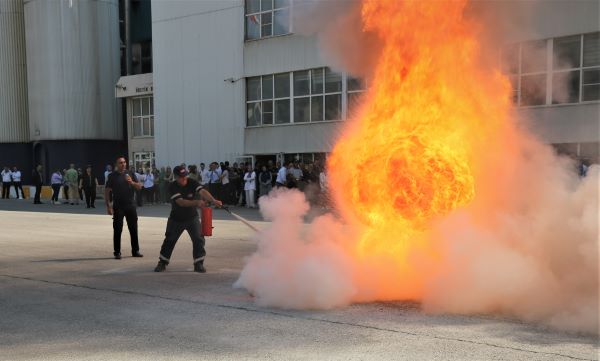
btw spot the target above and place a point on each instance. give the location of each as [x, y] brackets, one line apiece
[281, 54]
[199, 117]
[292, 138]
[576, 123]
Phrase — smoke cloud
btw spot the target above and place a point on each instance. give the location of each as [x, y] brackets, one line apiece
[526, 246]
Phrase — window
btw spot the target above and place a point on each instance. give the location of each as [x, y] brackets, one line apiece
[265, 18]
[590, 86]
[533, 73]
[302, 96]
[565, 81]
[142, 117]
[142, 160]
[570, 75]
[356, 88]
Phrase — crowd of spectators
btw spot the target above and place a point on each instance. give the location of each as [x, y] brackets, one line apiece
[237, 184]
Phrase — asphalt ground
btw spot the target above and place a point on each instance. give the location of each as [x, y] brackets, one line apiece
[63, 297]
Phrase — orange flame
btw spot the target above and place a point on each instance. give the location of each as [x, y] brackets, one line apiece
[409, 156]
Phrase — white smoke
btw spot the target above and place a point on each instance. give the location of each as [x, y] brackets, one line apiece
[527, 246]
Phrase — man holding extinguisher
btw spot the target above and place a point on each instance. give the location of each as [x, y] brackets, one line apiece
[184, 217]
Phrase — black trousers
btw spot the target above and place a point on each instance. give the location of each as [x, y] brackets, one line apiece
[174, 231]
[6, 189]
[138, 197]
[18, 187]
[55, 191]
[90, 195]
[38, 192]
[130, 214]
[148, 194]
[66, 192]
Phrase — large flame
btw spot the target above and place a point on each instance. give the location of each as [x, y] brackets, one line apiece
[408, 157]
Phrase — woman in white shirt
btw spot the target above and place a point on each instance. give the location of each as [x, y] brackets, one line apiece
[250, 186]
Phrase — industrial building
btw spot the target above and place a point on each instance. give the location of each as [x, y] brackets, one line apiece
[232, 80]
[177, 81]
[60, 61]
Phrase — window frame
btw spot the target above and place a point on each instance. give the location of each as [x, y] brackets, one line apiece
[343, 94]
[552, 72]
[142, 117]
[259, 15]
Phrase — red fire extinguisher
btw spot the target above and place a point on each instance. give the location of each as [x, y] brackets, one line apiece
[206, 219]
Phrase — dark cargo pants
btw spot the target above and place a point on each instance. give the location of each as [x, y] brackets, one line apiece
[174, 231]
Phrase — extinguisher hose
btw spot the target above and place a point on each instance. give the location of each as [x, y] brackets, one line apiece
[241, 219]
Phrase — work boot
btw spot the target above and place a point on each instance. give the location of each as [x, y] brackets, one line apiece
[161, 266]
[199, 267]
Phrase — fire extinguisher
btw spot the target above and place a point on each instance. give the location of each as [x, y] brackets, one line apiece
[206, 219]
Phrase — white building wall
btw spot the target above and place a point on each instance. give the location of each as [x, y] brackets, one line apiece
[197, 45]
[72, 68]
[13, 73]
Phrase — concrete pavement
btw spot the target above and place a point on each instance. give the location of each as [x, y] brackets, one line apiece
[63, 297]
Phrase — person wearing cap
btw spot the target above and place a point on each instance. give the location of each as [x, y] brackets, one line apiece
[184, 217]
[121, 185]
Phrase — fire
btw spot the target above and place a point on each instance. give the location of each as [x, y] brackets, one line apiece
[409, 156]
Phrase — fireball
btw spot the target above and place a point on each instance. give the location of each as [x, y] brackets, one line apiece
[409, 155]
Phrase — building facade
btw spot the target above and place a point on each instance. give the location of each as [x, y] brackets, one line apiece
[233, 80]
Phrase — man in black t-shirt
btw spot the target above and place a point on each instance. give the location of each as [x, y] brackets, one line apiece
[121, 185]
[184, 217]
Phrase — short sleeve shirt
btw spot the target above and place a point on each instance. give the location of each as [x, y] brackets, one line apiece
[122, 191]
[187, 192]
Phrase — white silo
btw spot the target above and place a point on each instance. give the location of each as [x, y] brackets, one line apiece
[72, 67]
[13, 73]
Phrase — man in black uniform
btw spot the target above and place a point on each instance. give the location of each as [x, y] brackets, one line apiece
[184, 216]
[120, 185]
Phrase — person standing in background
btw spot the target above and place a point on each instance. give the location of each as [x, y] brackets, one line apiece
[265, 181]
[88, 184]
[204, 176]
[71, 180]
[6, 182]
[65, 186]
[38, 180]
[16, 176]
[250, 186]
[79, 176]
[139, 192]
[56, 182]
[224, 177]
[167, 179]
[149, 186]
[107, 172]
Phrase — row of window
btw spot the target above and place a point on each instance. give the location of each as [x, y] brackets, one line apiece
[299, 97]
[554, 71]
[265, 18]
[142, 117]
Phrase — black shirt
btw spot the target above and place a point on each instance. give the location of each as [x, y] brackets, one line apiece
[89, 182]
[37, 178]
[121, 190]
[188, 192]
